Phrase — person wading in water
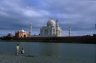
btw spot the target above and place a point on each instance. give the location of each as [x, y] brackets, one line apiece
[22, 51]
[17, 49]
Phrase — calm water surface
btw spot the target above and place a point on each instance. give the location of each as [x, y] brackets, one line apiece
[82, 52]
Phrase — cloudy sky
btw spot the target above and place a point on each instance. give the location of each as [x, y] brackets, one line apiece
[18, 14]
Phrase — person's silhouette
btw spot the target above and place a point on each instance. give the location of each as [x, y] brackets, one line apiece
[17, 49]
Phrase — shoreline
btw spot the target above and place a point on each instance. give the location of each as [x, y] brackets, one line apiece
[72, 39]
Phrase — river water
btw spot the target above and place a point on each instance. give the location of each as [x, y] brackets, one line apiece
[85, 53]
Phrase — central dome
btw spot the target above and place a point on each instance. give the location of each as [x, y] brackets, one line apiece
[51, 23]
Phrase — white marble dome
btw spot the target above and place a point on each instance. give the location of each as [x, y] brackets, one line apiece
[51, 23]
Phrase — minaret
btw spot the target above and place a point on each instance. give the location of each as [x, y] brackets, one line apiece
[69, 30]
[30, 30]
[56, 28]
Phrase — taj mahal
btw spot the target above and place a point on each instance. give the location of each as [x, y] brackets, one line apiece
[51, 29]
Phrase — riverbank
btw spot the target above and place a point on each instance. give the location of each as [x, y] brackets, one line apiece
[71, 39]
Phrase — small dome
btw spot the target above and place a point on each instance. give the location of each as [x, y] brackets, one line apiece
[21, 30]
[51, 22]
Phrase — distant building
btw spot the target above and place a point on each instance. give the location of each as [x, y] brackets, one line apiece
[21, 34]
[52, 29]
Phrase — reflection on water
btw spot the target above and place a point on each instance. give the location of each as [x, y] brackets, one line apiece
[66, 50]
